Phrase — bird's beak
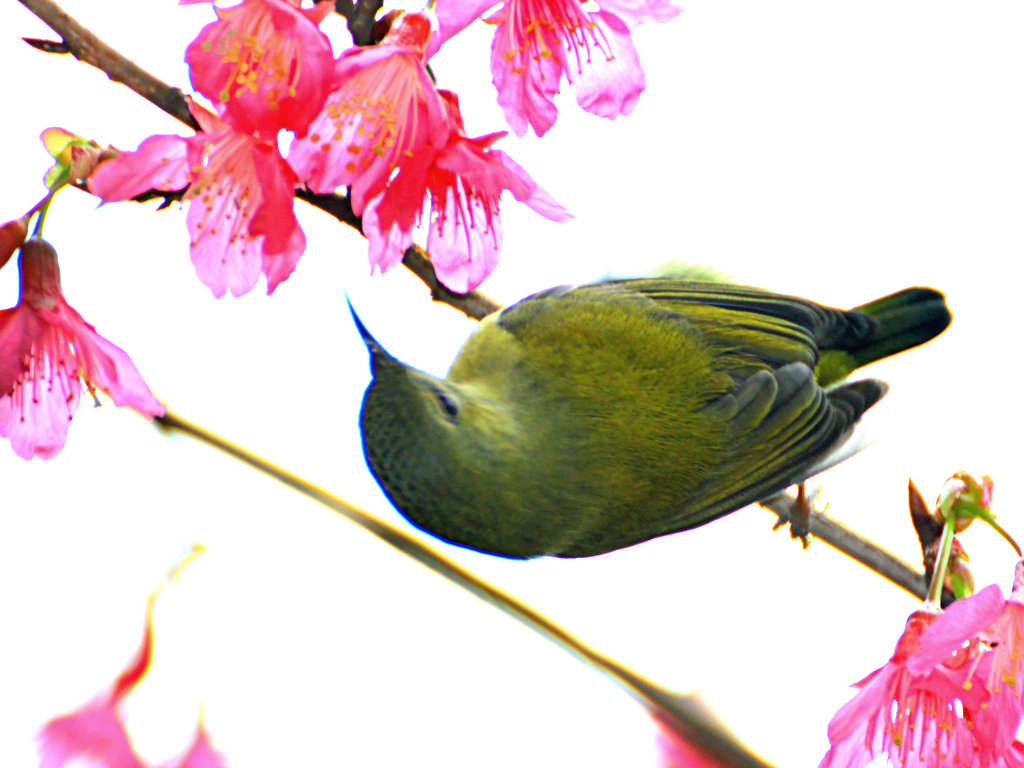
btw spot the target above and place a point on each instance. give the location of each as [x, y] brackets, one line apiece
[371, 343]
[377, 353]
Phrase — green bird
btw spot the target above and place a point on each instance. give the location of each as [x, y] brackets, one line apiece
[585, 419]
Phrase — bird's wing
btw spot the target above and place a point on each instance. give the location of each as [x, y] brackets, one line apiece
[756, 329]
[788, 320]
[783, 426]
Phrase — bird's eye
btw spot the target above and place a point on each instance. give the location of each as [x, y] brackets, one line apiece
[448, 404]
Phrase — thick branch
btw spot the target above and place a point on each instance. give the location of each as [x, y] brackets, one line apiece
[361, 16]
[86, 46]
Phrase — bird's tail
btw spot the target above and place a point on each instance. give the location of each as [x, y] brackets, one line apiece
[906, 319]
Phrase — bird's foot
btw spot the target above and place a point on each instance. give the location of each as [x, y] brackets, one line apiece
[796, 511]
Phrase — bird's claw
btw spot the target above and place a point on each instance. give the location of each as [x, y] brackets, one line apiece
[797, 513]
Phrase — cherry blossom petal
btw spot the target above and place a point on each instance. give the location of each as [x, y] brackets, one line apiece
[279, 265]
[526, 81]
[635, 12]
[36, 416]
[94, 732]
[201, 753]
[12, 235]
[18, 327]
[961, 621]
[528, 192]
[103, 364]
[266, 62]
[225, 257]
[453, 16]
[283, 241]
[160, 162]
[387, 240]
[385, 111]
[608, 78]
[464, 241]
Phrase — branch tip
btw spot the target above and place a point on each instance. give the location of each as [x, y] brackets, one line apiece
[48, 46]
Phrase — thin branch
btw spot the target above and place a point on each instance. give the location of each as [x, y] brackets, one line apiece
[473, 304]
[86, 46]
[683, 713]
[852, 544]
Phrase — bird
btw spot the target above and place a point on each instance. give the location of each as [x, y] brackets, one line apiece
[584, 419]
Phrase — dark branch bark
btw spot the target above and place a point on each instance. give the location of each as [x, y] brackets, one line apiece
[361, 15]
[86, 46]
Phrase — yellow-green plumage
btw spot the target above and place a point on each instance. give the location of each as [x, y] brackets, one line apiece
[582, 420]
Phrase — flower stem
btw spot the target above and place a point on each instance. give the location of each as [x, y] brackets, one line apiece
[41, 209]
[934, 599]
[680, 712]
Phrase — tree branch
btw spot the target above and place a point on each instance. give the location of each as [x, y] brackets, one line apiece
[361, 15]
[85, 46]
[852, 544]
[683, 713]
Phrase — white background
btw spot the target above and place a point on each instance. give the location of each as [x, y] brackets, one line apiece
[834, 150]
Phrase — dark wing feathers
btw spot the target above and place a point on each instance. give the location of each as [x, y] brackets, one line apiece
[800, 426]
[786, 316]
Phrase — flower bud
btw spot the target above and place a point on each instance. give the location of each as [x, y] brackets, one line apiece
[12, 235]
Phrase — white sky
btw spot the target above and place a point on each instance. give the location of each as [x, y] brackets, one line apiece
[834, 150]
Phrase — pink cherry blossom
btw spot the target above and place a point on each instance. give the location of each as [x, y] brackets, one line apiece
[917, 709]
[266, 62]
[463, 183]
[46, 352]
[97, 733]
[676, 751]
[383, 115]
[539, 42]
[241, 200]
[1002, 669]
[1006, 635]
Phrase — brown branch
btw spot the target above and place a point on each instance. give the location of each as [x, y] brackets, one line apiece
[86, 46]
[852, 544]
[361, 15]
[473, 304]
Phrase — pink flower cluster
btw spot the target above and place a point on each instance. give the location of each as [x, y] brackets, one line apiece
[371, 120]
[951, 695]
[47, 351]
